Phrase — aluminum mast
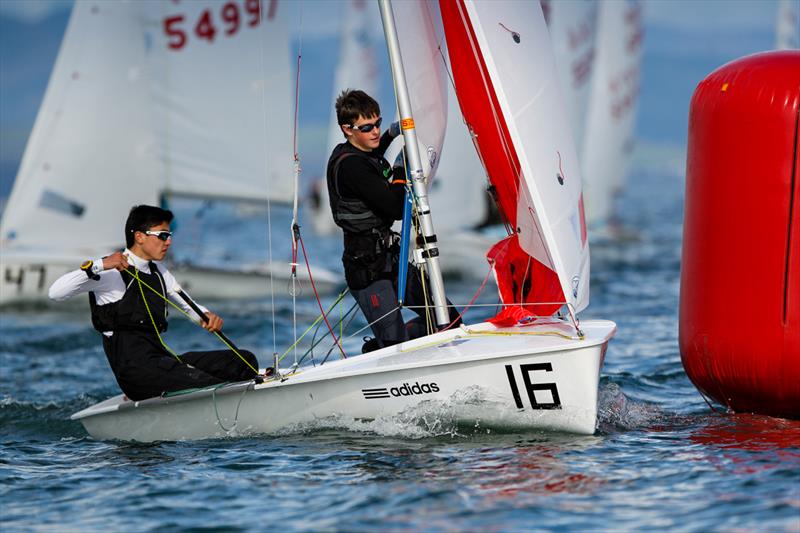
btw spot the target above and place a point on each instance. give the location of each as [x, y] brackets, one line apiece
[430, 250]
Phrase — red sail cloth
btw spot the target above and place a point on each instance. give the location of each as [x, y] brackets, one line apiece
[481, 110]
[522, 279]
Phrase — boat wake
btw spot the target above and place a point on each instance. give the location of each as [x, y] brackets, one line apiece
[617, 412]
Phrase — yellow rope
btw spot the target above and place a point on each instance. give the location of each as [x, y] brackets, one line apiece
[538, 333]
[313, 324]
[472, 333]
[153, 321]
[135, 274]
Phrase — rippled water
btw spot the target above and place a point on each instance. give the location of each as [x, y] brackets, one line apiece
[661, 457]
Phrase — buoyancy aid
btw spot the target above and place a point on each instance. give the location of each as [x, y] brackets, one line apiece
[352, 214]
[129, 312]
[368, 238]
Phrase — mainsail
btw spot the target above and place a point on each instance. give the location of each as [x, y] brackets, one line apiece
[88, 157]
[222, 100]
[608, 139]
[419, 30]
[507, 86]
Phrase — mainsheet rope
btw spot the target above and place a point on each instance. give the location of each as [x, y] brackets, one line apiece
[135, 274]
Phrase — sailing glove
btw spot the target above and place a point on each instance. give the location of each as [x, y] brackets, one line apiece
[394, 129]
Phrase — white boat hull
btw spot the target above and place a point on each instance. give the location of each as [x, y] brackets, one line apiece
[253, 282]
[523, 378]
[26, 279]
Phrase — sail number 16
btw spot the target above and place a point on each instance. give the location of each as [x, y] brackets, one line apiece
[230, 18]
[531, 388]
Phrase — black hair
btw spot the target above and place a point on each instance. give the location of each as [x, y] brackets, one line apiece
[354, 103]
[144, 217]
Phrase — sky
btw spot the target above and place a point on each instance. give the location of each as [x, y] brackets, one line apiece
[684, 41]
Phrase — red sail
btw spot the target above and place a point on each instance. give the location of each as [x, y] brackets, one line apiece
[514, 268]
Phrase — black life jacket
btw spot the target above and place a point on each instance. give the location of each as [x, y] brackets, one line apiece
[352, 214]
[129, 312]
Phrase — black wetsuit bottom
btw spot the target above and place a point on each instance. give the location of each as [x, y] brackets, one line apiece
[145, 369]
[378, 300]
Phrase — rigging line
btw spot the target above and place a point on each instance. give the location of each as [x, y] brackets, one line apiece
[216, 411]
[173, 304]
[464, 309]
[318, 341]
[265, 131]
[397, 308]
[295, 225]
[349, 321]
[152, 320]
[316, 295]
[315, 323]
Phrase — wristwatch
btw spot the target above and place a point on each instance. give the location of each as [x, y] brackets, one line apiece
[87, 268]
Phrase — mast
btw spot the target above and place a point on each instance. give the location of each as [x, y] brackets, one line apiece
[430, 251]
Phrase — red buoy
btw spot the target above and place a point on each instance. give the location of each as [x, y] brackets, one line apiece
[740, 270]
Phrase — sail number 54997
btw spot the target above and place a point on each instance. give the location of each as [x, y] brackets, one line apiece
[230, 18]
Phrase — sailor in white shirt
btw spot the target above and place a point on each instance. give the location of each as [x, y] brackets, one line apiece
[132, 317]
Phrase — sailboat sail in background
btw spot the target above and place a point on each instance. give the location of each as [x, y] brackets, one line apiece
[787, 35]
[356, 68]
[608, 138]
[536, 371]
[573, 32]
[156, 110]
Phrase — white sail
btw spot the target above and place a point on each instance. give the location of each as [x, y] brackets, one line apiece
[458, 194]
[613, 103]
[356, 68]
[572, 25]
[222, 103]
[788, 25]
[513, 43]
[88, 158]
[419, 29]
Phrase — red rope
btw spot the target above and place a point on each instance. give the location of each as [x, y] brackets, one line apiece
[480, 290]
[316, 295]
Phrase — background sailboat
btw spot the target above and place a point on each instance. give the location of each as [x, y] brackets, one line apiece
[177, 108]
[613, 101]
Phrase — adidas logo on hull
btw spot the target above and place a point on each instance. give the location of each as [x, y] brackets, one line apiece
[416, 388]
[403, 390]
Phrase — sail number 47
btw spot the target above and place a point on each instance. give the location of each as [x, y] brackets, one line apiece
[531, 387]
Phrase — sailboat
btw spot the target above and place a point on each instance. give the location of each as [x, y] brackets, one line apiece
[535, 365]
[613, 102]
[168, 106]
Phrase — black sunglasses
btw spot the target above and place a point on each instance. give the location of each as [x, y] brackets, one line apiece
[366, 128]
[162, 235]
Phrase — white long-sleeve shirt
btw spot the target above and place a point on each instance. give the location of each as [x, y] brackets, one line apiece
[111, 288]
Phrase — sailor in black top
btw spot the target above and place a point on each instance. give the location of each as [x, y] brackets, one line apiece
[366, 197]
[132, 318]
